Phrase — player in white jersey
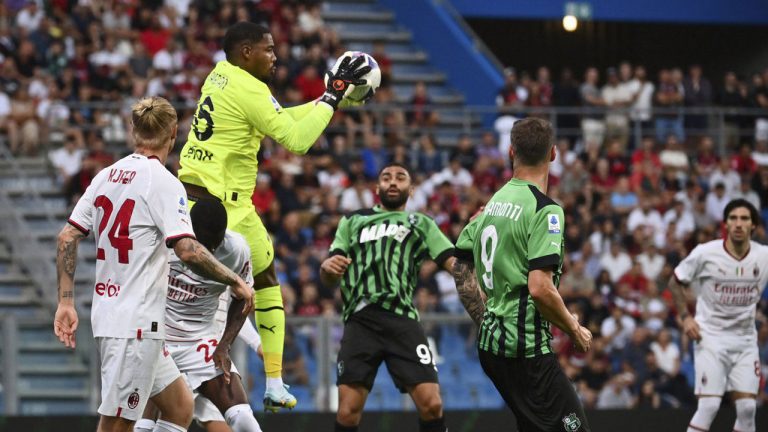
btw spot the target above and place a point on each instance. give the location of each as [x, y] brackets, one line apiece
[194, 337]
[728, 277]
[206, 413]
[137, 210]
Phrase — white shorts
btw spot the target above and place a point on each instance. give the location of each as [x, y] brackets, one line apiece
[206, 411]
[132, 371]
[195, 361]
[721, 369]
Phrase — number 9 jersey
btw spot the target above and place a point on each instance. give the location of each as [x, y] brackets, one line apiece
[519, 230]
[137, 209]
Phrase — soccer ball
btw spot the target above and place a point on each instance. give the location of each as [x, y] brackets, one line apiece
[360, 93]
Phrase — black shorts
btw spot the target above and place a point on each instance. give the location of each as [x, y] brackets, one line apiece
[373, 335]
[537, 391]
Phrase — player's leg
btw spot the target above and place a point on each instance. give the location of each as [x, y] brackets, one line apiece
[360, 354]
[268, 303]
[128, 367]
[711, 375]
[537, 391]
[231, 400]
[426, 397]
[147, 421]
[412, 366]
[208, 416]
[744, 383]
[352, 399]
[172, 396]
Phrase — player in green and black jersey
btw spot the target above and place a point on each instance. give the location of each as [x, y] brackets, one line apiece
[376, 255]
[511, 254]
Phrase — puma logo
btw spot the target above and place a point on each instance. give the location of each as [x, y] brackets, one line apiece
[271, 329]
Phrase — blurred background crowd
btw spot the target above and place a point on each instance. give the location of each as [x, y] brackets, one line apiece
[635, 203]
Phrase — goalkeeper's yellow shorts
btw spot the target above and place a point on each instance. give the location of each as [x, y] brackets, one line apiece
[243, 219]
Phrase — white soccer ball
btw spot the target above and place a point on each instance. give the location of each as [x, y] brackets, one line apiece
[360, 93]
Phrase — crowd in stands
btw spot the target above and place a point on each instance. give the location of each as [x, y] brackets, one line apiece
[70, 69]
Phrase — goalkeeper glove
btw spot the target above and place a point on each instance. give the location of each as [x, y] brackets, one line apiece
[348, 73]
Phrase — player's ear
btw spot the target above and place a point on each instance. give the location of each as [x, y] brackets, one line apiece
[553, 154]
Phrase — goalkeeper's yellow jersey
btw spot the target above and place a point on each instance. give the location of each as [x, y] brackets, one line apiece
[235, 111]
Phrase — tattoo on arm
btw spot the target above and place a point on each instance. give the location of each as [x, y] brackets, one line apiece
[235, 320]
[469, 290]
[202, 262]
[678, 294]
[66, 261]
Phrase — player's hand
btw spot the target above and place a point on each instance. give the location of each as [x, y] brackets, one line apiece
[222, 361]
[336, 265]
[691, 328]
[243, 291]
[349, 73]
[582, 339]
[65, 324]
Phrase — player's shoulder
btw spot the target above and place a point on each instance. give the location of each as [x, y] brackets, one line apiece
[225, 74]
[543, 201]
[759, 248]
[235, 241]
[361, 213]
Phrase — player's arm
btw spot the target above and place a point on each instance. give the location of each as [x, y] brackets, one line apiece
[334, 267]
[470, 294]
[202, 262]
[548, 301]
[463, 271]
[684, 273]
[684, 319]
[66, 320]
[250, 336]
[545, 237]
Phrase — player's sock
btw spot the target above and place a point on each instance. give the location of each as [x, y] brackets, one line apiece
[745, 415]
[271, 319]
[341, 428]
[705, 413]
[436, 425]
[144, 425]
[274, 383]
[165, 426]
[240, 418]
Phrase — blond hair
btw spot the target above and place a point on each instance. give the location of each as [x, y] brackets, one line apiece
[153, 121]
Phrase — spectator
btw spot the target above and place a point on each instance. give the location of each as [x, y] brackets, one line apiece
[419, 114]
[667, 353]
[745, 192]
[616, 262]
[30, 16]
[706, 160]
[717, 199]
[431, 159]
[645, 218]
[513, 95]
[23, 125]
[653, 309]
[465, 152]
[725, 174]
[592, 126]
[615, 394]
[698, 94]
[357, 196]
[263, 196]
[617, 98]
[67, 159]
[576, 285]
[683, 219]
[669, 96]
[742, 161]
[673, 157]
[623, 200]
[734, 95]
[642, 99]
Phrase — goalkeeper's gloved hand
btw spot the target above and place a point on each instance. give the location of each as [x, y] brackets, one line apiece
[348, 73]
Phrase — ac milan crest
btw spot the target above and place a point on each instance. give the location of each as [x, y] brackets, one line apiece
[133, 400]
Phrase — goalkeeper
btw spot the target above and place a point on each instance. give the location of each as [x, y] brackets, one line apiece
[236, 110]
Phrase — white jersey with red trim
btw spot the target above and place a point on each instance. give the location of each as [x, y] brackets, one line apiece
[135, 208]
[193, 301]
[727, 288]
